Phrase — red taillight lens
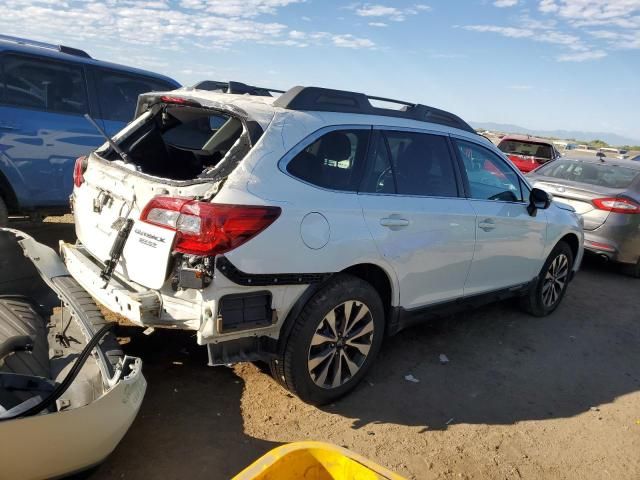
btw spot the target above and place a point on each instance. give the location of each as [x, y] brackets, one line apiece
[78, 171]
[179, 101]
[208, 228]
[617, 205]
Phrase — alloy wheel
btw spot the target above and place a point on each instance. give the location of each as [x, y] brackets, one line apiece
[555, 280]
[341, 344]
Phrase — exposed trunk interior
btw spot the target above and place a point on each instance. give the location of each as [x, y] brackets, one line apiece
[181, 142]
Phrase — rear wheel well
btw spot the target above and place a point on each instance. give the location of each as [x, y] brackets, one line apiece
[573, 242]
[377, 278]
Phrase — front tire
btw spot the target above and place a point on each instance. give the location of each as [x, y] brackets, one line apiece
[333, 342]
[549, 290]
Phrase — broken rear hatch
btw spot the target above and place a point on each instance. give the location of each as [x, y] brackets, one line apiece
[177, 147]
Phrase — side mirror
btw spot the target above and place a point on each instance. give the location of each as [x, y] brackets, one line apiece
[538, 200]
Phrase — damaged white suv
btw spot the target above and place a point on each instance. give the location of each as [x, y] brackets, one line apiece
[303, 229]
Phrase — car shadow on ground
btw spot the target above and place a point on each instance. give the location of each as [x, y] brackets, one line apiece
[505, 366]
[190, 419]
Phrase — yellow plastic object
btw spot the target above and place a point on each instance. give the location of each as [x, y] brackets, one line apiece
[314, 461]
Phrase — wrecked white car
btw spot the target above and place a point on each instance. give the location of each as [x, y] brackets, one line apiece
[68, 394]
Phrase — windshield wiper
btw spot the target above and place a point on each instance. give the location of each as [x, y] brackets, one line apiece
[112, 144]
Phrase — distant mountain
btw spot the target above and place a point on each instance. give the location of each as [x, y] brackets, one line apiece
[610, 138]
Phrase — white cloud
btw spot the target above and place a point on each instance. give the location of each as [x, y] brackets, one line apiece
[512, 32]
[548, 6]
[621, 13]
[505, 3]
[377, 24]
[349, 41]
[390, 13]
[208, 24]
[237, 8]
[582, 56]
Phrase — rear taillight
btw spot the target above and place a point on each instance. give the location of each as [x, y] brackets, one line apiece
[179, 101]
[78, 171]
[617, 205]
[208, 228]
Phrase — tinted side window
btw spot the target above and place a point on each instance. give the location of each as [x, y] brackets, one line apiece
[44, 85]
[118, 93]
[490, 178]
[333, 161]
[416, 164]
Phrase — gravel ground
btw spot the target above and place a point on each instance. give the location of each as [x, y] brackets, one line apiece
[552, 398]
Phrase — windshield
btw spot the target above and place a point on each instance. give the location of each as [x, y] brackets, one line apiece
[531, 149]
[602, 175]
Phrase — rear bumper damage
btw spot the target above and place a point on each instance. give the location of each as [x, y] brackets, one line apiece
[69, 439]
[228, 309]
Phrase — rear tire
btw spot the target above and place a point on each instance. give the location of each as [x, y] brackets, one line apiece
[4, 213]
[549, 289]
[333, 341]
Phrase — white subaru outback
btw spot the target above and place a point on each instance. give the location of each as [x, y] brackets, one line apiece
[303, 229]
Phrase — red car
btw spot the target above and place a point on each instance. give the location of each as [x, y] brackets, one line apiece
[526, 152]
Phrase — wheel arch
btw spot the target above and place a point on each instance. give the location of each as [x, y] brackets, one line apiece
[573, 241]
[379, 278]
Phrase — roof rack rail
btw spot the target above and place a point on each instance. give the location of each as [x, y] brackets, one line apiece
[238, 88]
[328, 100]
[34, 43]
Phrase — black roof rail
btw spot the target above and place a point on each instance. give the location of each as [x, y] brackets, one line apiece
[328, 100]
[34, 43]
[235, 87]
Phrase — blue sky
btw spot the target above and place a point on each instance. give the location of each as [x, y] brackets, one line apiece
[542, 64]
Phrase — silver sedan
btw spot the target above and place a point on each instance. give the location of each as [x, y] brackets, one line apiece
[606, 193]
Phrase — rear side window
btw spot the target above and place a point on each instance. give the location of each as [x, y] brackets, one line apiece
[43, 85]
[409, 163]
[118, 93]
[532, 149]
[334, 161]
[600, 174]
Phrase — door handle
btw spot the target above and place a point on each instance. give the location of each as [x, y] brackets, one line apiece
[394, 222]
[487, 224]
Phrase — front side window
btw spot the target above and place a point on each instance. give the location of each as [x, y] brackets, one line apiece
[118, 93]
[333, 161]
[410, 163]
[44, 85]
[490, 178]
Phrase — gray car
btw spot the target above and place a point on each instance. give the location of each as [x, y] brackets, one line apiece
[606, 193]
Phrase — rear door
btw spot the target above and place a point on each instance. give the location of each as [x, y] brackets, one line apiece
[509, 241]
[42, 130]
[413, 206]
[117, 95]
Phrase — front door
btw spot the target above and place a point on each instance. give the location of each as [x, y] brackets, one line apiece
[509, 241]
[421, 224]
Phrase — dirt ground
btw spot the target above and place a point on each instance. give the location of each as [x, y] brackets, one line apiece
[552, 398]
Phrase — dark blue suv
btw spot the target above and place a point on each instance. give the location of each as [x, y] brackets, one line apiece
[44, 92]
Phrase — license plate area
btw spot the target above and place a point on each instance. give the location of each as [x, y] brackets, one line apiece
[146, 255]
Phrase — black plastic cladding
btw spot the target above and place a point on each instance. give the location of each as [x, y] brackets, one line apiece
[230, 271]
[327, 100]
